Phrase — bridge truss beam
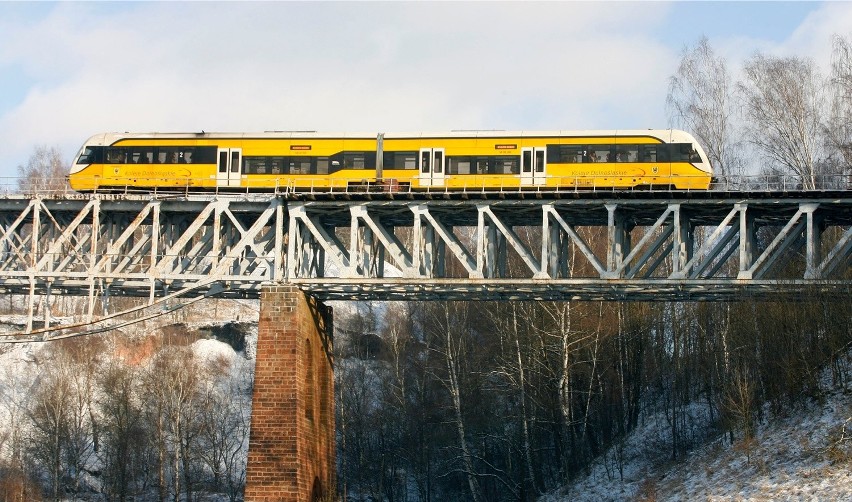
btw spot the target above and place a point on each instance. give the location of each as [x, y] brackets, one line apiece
[648, 249]
[643, 247]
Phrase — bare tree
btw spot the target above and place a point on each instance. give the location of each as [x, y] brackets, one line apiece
[738, 407]
[45, 171]
[360, 430]
[171, 387]
[784, 102]
[225, 425]
[838, 128]
[450, 320]
[513, 369]
[700, 99]
[49, 414]
[82, 440]
[124, 436]
[63, 423]
[15, 391]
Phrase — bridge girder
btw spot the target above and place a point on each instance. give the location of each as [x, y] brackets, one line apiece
[601, 248]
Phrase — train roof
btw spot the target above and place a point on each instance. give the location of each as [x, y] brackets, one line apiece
[111, 137]
[668, 135]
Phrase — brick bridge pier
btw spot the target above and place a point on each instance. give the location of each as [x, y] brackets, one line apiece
[291, 454]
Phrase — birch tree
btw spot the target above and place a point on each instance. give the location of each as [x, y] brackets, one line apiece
[63, 422]
[44, 171]
[15, 387]
[512, 367]
[451, 318]
[838, 128]
[124, 440]
[701, 100]
[172, 390]
[784, 102]
[49, 415]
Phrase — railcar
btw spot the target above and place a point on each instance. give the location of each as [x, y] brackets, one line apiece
[473, 160]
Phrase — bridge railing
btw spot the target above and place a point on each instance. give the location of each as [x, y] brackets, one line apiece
[782, 183]
[471, 184]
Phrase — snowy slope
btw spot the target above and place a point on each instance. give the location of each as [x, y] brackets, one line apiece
[805, 455]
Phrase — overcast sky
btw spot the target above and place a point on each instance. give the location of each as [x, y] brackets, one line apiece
[69, 70]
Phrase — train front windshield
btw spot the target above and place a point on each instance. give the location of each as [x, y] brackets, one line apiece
[91, 155]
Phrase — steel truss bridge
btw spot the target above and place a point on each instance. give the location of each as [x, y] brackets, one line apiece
[170, 249]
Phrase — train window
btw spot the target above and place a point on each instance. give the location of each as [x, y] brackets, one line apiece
[627, 153]
[185, 156]
[684, 152]
[275, 164]
[506, 165]
[223, 162]
[358, 160]
[527, 155]
[598, 153]
[167, 155]
[278, 165]
[481, 165]
[235, 161]
[204, 155]
[408, 160]
[91, 155]
[149, 155]
[353, 160]
[664, 154]
[336, 162]
[565, 154]
[572, 154]
[300, 165]
[648, 153]
[116, 155]
[254, 165]
[553, 153]
[439, 162]
[322, 165]
[458, 165]
[141, 155]
[400, 160]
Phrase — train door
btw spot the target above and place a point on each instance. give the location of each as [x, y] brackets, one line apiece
[533, 166]
[432, 167]
[229, 170]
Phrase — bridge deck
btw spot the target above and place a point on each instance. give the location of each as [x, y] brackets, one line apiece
[640, 245]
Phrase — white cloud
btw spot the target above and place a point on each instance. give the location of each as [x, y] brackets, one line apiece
[332, 67]
[811, 39]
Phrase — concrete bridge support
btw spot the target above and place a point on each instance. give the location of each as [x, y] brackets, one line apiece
[291, 447]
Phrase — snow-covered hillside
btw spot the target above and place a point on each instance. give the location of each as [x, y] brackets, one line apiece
[216, 341]
[806, 454]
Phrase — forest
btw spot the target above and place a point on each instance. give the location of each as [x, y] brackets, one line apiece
[482, 401]
[136, 414]
[505, 401]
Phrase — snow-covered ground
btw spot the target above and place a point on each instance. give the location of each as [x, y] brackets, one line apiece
[233, 321]
[804, 455]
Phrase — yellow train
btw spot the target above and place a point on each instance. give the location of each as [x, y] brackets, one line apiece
[458, 160]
